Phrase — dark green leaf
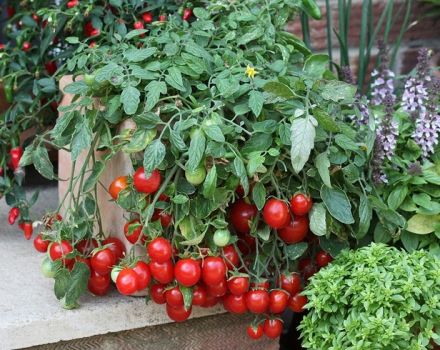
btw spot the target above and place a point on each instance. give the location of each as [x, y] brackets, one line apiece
[154, 155]
[337, 204]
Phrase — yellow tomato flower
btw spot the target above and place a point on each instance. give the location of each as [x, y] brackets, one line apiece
[250, 72]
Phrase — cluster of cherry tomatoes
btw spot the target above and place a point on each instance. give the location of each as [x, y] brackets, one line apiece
[181, 282]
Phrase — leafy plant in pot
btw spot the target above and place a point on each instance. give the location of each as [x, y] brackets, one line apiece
[377, 296]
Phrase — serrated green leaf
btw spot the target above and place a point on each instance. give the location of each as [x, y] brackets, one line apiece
[259, 195]
[210, 183]
[317, 219]
[138, 55]
[322, 163]
[256, 101]
[130, 98]
[303, 141]
[196, 150]
[337, 204]
[154, 90]
[92, 180]
[154, 155]
[295, 251]
[82, 138]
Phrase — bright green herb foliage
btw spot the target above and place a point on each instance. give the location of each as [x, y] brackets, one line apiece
[375, 298]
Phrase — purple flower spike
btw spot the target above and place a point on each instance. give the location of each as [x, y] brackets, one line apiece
[383, 83]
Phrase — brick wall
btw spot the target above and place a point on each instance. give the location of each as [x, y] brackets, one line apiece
[423, 32]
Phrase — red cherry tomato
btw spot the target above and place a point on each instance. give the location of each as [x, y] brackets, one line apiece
[127, 281]
[27, 228]
[132, 231]
[72, 4]
[296, 231]
[51, 67]
[291, 283]
[85, 246]
[241, 213]
[255, 332]
[157, 293]
[213, 270]
[138, 25]
[144, 274]
[231, 257]
[278, 301]
[260, 284]
[174, 297]
[14, 213]
[119, 184]
[147, 17]
[98, 284]
[235, 304]
[40, 244]
[276, 213]
[60, 250]
[178, 314]
[162, 272]
[187, 13]
[323, 258]
[257, 301]
[273, 328]
[297, 302]
[300, 204]
[26, 46]
[102, 261]
[217, 290]
[210, 301]
[17, 152]
[116, 246]
[160, 250]
[307, 268]
[238, 285]
[162, 18]
[187, 272]
[146, 184]
[165, 218]
[199, 295]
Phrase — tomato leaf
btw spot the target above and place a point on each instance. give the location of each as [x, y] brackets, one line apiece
[210, 183]
[82, 138]
[337, 204]
[316, 65]
[295, 251]
[256, 101]
[77, 284]
[259, 195]
[196, 150]
[322, 163]
[332, 245]
[92, 180]
[187, 296]
[154, 154]
[302, 136]
[239, 170]
[317, 218]
[130, 98]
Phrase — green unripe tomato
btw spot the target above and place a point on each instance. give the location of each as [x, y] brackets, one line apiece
[89, 79]
[115, 273]
[196, 177]
[48, 267]
[221, 238]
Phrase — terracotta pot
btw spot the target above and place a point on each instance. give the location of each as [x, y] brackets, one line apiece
[112, 215]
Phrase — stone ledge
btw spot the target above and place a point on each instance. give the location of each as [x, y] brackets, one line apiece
[30, 313]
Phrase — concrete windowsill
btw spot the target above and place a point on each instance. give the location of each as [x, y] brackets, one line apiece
[30, 313]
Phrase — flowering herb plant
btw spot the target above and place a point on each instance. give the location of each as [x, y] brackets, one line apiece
[406, 163]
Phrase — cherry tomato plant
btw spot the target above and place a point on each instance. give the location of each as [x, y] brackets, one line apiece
[247, 178]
